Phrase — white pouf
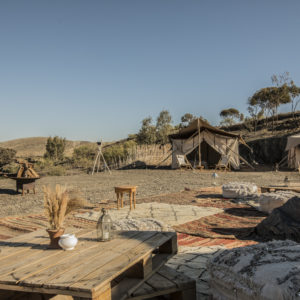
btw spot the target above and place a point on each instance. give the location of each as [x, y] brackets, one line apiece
[266, 271]
[269, 201]
[239, 189]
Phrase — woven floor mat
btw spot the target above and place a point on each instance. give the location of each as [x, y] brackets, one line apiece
[234, 223]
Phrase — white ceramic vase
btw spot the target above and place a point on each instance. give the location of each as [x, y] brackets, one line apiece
[67, 241]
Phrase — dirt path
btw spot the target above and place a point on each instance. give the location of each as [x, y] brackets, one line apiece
[150, 182]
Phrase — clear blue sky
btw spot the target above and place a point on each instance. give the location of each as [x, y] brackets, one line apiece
[90, 69]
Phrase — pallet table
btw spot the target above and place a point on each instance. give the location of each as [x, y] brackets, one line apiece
[93, 270]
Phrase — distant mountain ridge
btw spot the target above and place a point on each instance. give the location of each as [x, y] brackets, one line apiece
[36, 146]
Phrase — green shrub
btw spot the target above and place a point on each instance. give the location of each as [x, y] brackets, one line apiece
[118, 151]
[6, 156]
[84, 156]
[10, 168]
[55, 148]
[85, 152]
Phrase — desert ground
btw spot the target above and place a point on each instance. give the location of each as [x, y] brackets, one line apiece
[100, 187]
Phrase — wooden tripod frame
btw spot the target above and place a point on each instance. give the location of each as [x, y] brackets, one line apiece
[97, 161]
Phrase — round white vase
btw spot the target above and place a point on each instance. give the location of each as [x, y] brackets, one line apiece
[67, 241]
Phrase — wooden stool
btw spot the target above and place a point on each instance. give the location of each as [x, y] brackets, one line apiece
[130, 189]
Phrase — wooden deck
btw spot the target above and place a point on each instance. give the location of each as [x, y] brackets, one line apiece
[94, 270]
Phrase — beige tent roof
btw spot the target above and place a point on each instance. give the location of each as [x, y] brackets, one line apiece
[193, 127]
[292, 141]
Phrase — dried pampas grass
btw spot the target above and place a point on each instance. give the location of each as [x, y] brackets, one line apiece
[60, 202]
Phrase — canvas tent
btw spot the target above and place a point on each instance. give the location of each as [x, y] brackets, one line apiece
[293, 148]
[205, 145]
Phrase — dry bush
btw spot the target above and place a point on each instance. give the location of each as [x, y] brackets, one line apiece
[60, 202]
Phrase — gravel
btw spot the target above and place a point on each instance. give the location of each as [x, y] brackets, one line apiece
[100, 187]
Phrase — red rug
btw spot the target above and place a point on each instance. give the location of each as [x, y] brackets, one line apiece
[234, 223]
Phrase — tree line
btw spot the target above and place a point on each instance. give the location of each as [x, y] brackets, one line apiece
[265, 102]
[158, 133]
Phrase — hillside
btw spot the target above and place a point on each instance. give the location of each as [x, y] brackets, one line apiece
[35, 146]
[268, 145]
[284, 124]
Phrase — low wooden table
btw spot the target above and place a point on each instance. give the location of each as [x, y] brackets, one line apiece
[93, 270]
[130, 190]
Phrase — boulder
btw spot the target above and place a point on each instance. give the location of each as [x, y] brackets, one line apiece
[239, 189]
[283, 223]
[265, 271]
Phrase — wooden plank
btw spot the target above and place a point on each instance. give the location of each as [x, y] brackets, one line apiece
[189, 294]
[32, 264]
[179, 279]
[117, 266]
[21, 242]
[157, 286]
[170, 246]
[123, 287]
[84, 257]
[157, 262]
[75, 277]
[135, 250]
[40, 290]
[144, 289]
[32, 254]
[159, 282]
[27, 242]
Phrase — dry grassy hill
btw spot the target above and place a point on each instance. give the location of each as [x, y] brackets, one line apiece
[35, 146]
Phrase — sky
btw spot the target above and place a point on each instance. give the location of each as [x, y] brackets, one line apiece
[90, 70]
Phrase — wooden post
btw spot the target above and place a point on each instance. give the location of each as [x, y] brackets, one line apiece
[199, 145]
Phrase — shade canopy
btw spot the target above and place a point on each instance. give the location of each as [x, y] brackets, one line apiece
[292, 141]
[208, 143]
[293, 148]
[195, 125]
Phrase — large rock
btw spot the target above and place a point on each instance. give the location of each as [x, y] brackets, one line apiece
[283, 223]
[239, 189]
[270, 201]
[266, 271]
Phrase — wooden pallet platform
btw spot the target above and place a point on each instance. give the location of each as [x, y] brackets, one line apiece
[167, 281]
[93, 270]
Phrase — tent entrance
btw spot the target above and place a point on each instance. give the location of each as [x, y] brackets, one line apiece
[209, 156]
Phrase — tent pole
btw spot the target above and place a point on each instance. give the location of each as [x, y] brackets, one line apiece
[199, 147]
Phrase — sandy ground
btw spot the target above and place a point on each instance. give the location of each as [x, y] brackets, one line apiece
[100, 187]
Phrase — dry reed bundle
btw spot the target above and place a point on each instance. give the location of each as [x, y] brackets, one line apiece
[60, 202]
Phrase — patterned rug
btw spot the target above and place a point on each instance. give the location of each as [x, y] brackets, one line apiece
[234, 223]
[225, 228]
